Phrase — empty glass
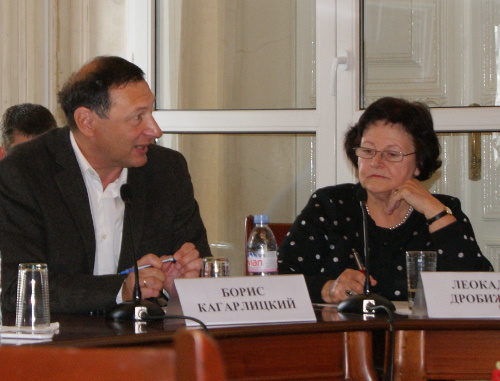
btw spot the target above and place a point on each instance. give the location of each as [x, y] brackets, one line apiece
[32, 310]
[416, 262]
[215, 267]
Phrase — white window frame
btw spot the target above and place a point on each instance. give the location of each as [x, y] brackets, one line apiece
[321, 121]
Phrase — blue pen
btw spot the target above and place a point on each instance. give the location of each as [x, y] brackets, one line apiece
[131, 270]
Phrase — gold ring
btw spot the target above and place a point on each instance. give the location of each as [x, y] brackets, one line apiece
[349, 292]
[145, 284]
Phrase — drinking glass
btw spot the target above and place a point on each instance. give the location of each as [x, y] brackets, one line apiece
[215, 267]
[416, 262]
[32, 309]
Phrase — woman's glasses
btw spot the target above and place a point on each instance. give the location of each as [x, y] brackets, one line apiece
[388, 155]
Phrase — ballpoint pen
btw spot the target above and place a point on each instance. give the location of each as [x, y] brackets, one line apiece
[359, 263]
[131, 270]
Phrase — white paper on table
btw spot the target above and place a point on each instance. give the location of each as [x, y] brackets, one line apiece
[18, 335]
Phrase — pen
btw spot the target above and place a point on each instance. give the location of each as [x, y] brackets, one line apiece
[361, 267]
[131, 270]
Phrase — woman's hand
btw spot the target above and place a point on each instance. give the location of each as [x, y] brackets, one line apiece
[350, 282]
[416, 195]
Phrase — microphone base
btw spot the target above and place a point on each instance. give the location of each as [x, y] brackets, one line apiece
[132, 310]
[358, 304]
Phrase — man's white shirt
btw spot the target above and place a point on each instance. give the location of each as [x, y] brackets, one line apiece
[107, 209]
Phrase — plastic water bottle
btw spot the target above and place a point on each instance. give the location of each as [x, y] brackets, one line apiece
[262, 258]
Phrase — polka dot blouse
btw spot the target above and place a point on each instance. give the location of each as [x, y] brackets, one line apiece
[329, 229]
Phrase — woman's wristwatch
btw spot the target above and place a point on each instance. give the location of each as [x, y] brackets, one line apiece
[445, 212]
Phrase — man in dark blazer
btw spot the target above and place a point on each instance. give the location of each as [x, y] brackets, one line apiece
[49, 211]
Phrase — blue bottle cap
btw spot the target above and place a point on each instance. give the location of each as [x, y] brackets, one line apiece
[261, 219]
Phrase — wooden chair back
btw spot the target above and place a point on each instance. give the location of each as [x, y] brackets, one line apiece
[195, 356]
[198, 357]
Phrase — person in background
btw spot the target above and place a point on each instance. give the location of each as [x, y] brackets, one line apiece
[394, 148]
[23, 122]
[65, 209]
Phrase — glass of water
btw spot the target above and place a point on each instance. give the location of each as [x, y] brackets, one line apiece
[32, 309]
[215, 267]
[416, 262]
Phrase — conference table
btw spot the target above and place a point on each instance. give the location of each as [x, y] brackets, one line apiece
[336, 347]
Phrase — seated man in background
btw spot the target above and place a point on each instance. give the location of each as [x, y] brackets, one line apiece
[23, 122]
[64, 209]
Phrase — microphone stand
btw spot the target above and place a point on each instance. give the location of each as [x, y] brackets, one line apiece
[365, 303]
[135, 309]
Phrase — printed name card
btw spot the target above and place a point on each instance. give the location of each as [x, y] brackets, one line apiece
[245, 300]
[462, 294]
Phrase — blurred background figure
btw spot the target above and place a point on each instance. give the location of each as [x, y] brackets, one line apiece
[23, 122]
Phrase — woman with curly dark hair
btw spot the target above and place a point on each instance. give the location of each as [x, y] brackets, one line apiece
[394, 147]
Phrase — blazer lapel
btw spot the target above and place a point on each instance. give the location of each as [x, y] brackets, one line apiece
[72, 186]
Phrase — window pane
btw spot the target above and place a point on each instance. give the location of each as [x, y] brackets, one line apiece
[235, 54]
[443, 53]
[235, 175]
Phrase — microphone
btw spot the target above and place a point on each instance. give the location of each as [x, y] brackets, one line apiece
[135, 309]
[365, 303]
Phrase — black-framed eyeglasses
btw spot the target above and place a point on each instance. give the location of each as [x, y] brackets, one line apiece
[388, 155]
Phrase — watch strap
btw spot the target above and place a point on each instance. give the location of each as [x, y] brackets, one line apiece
[438, 216]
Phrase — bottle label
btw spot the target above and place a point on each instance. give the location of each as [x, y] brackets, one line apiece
[257, 263]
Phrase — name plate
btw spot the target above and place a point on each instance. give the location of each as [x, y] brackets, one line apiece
[462, 294]
[245, 300]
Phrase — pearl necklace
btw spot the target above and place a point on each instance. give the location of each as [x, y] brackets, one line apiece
[410, 210]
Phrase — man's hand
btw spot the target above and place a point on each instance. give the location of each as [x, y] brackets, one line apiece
[188, 265]
[150, 279]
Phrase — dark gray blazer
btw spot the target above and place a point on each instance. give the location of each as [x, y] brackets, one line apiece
[45, 217]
